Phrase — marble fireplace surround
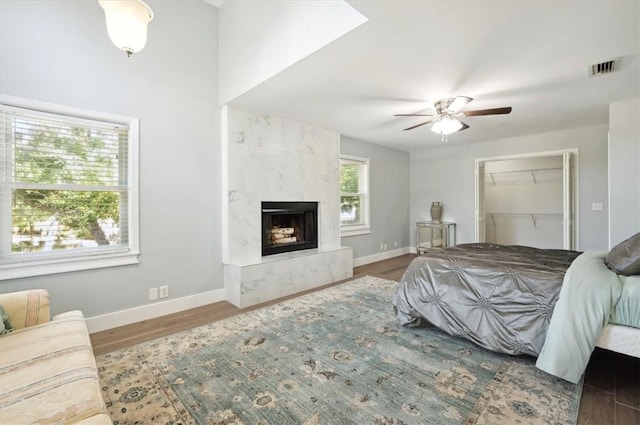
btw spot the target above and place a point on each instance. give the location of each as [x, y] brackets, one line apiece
[268, 158]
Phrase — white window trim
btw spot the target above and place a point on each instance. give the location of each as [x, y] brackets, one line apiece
[347, 230]
[356, 231]
[44, 265]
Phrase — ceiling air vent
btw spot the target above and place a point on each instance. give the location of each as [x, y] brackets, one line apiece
[603, 68]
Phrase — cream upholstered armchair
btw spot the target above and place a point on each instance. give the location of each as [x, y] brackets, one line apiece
[48, 373]
[26, 308]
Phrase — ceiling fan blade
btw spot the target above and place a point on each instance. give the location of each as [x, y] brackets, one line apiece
[493, 111]
[419, 125]
[458, 103]
[413, 115]
[464, 125]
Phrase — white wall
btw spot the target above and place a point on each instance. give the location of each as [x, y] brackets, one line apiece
[59, 52]
[624, 169]
[258, 39]
[446, 174]
[389, 202]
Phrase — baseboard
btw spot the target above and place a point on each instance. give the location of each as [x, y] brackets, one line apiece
[151, 311]
[384, 255]
[138, 314]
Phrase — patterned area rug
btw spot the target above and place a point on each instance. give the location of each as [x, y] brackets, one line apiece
[336, 356]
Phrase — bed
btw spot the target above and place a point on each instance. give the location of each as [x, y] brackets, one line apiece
[552, 304]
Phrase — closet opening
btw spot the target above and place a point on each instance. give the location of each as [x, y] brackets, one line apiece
[528, 199]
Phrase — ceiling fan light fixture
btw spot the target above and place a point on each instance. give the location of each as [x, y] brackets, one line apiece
[446, 125]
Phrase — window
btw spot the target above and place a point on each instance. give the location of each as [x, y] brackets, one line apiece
[354, 195]
[68, 189]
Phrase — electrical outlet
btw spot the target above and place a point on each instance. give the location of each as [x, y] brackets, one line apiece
[381, 246]
[385, 246]
[597, 206]
[153, 294]
[395, 244]
[164, 291]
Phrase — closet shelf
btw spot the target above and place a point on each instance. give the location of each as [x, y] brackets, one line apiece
[534, 216]
[532, 171]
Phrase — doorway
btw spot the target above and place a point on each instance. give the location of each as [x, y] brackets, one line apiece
[527, 199]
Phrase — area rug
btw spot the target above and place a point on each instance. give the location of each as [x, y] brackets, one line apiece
[336, 356]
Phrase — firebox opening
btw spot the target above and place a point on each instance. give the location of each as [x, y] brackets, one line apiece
[289, 226]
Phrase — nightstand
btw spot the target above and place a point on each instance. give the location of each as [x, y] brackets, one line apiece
[430, 235]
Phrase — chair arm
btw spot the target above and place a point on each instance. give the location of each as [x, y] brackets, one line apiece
[26, 308]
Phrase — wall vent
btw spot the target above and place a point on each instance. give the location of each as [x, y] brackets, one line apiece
[603, 68]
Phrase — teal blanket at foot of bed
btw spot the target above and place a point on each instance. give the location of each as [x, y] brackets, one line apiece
[588, 296]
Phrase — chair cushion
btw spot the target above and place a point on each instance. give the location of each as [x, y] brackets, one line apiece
[26, 308]
[48, 374]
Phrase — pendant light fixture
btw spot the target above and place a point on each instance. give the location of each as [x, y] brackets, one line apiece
[127, 22]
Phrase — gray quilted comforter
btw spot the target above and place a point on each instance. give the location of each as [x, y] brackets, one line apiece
[500, 297]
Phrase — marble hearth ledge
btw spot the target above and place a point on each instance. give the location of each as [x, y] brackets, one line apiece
[280, 275]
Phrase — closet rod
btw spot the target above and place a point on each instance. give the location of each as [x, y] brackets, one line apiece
[524, 213]
[524, 170]
[532, 171]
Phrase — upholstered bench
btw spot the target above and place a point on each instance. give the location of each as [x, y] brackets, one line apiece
[48, 373]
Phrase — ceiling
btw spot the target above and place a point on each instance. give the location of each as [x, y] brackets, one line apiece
[531, 55]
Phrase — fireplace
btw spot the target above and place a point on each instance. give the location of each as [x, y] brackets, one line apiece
[289, 226]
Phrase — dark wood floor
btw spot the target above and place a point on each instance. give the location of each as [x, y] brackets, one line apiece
[611, 393]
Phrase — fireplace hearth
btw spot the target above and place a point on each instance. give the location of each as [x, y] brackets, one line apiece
[289, 226]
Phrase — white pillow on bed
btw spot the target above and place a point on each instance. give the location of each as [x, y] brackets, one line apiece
[624, 258]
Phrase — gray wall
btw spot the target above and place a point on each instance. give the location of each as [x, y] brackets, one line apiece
[624, 169]
[389, 204]
[446, 174]
[59, 52]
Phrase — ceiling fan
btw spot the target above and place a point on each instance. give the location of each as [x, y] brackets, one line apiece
[448, 110]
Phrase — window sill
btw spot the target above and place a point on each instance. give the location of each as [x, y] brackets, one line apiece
[344, 232]
[46, 267]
